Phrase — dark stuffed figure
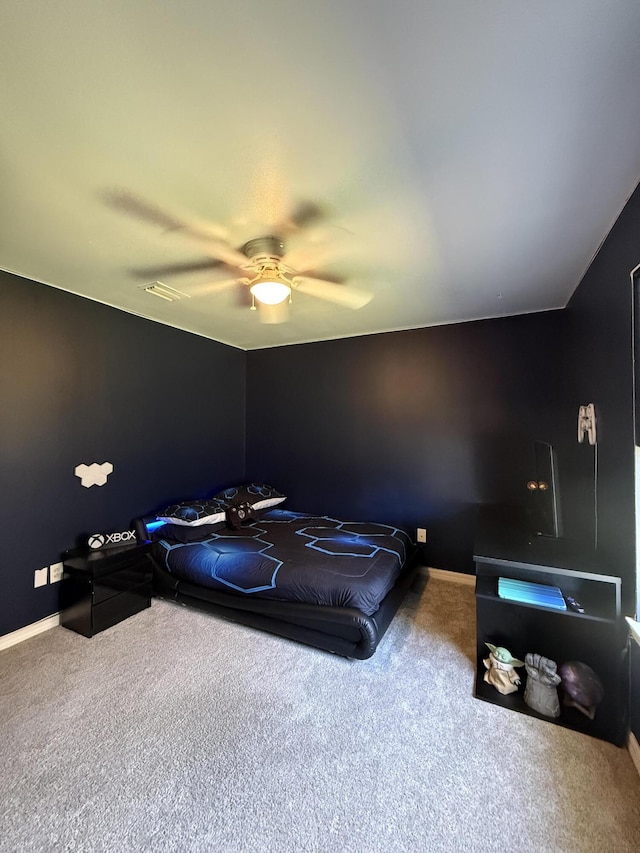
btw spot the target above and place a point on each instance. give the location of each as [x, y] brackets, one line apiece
[237, 514]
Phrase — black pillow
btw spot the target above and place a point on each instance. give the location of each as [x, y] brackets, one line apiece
[257, 495]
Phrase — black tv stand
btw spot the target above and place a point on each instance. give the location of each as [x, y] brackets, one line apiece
[597, 637]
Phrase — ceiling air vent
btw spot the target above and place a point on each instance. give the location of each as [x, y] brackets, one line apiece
[163, 291]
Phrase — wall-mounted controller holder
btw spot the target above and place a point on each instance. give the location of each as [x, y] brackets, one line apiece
[587, 423]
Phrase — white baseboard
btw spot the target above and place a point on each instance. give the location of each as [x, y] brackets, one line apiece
[452, 577]
[21, 634]
[634, 751]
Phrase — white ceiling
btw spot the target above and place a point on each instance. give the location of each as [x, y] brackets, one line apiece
[470, 154]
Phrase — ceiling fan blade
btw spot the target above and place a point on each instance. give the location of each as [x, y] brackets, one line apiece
[243, 294]
[306, 257]
[133, 205]
[213, 287]
[321, 246]
[273, 314]
[305, 213]
[177, 269]
[350, 297]
[271, 199]
[211, 237]
[323, 276]
[217, 249]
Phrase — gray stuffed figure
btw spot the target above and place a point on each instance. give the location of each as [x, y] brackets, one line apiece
[541, 692]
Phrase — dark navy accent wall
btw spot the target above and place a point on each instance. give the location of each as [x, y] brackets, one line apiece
[599, 369]
[412, 428]
[83, 383]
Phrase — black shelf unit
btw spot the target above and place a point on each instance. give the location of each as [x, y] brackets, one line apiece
[597, 637]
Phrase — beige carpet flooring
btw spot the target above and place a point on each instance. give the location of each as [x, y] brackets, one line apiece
[178, 731]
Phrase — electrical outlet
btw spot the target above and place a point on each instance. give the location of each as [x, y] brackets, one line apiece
[421, 534]
[40, 577]
[55, 572]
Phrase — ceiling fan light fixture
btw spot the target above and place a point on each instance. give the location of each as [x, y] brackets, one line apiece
[270, 291]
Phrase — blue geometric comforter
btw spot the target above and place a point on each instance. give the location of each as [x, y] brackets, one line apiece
[291, 556]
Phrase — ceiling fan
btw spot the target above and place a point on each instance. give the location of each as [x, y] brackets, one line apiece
[265, 274]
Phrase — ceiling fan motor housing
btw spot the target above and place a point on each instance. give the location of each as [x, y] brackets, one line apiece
[263, 246]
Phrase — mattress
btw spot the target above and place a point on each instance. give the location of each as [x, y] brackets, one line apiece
[290, 556]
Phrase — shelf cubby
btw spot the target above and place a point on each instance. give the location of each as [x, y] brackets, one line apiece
[597, 637]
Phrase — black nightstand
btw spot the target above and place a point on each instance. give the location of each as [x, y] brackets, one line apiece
[101, 588]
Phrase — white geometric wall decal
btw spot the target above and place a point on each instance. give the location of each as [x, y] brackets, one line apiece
[93, 475]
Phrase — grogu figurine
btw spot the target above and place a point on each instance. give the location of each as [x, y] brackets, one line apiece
[500, 669]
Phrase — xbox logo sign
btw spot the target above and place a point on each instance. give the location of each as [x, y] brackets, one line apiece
[95, 541]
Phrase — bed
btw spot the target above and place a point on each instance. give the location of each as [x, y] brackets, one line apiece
[328, 583]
